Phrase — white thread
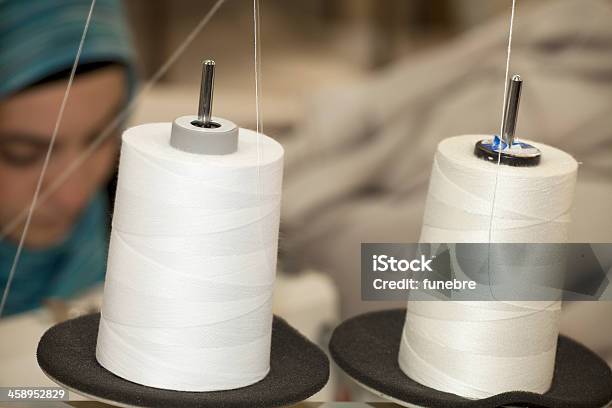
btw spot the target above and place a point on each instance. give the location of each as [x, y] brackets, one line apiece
[258, 113]
[501, 124]
[533, 204]
[508, 55]
[192, 260]
[45, 165]
[257, 64]
[191, 269]
[479, 349]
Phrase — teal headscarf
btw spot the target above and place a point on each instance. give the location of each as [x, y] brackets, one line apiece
[38, 40]
[60, 271]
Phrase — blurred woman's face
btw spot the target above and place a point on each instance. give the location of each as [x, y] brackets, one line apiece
[27, 120]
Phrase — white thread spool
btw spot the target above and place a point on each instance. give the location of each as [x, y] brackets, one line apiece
[479, 349]
[192, 261]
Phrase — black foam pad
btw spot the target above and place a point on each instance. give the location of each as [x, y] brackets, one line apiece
[66, 353]
[366, 347]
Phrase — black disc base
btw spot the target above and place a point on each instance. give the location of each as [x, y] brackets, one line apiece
[484, 151]
[366, 347]
[66, 353]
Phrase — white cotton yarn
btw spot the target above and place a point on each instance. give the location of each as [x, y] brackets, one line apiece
[479, 349]
[191, 265]
[532, 204]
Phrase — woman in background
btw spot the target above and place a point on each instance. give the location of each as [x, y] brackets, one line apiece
[65, 247]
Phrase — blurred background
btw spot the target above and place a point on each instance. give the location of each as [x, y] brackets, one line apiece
[360, 92]
[306, 46]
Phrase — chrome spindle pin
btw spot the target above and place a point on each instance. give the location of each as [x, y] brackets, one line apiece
[203, 133]
[511, 109]
[510, 153]
[206, 93]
